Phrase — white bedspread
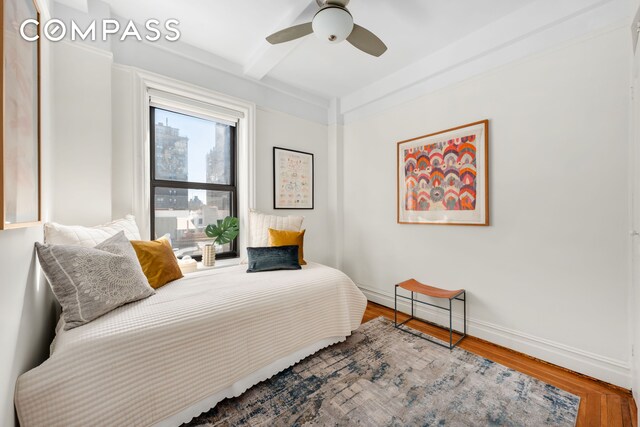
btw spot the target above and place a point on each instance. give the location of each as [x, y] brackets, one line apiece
[149, 360]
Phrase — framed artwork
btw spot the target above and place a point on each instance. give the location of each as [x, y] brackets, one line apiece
[443, 177]
[20, 119]
[292, 179]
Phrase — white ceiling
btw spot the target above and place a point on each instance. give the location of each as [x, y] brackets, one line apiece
[235, 31]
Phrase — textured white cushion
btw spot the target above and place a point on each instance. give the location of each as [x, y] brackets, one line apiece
[57, 234]
[259, 225]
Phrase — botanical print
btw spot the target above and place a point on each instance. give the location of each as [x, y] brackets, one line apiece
[441, 176]
[20, 118]
[293, 179]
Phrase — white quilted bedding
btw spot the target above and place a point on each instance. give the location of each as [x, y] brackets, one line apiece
[152, 359]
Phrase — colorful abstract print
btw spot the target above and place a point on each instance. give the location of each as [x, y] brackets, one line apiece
[441, 176]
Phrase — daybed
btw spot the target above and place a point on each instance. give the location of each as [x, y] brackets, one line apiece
[198, 340]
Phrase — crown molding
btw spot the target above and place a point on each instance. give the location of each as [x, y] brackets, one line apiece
[534, 28]
[537, 27]
[268, 91]
[87, 47]
[211, 60]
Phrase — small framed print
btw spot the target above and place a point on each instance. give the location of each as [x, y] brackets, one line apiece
[292, 179]
[443, 177]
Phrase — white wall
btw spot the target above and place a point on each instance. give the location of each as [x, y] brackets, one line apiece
[27, 312]
[82, 127]
[124, 141]
[282, 130]
[550, 276]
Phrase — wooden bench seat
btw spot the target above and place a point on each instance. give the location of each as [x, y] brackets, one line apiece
[415, 287]
[412, 285]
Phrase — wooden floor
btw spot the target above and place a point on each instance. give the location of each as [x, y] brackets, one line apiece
[601, 404]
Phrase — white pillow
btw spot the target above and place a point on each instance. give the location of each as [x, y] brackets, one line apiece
[259, 225]
[57, 234]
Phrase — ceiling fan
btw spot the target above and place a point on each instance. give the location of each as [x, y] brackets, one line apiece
[333, 23]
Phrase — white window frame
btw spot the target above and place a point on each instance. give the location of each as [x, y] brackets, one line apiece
[146, 83]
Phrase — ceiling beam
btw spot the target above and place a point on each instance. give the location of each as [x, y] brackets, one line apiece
[267, 56]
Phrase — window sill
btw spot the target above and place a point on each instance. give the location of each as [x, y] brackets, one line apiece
[220, 263]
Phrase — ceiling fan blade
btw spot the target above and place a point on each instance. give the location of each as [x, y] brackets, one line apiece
[323, 3]
[366, 41]
[290, 33]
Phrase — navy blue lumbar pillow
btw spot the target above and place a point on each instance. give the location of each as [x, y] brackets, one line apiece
[273, 258]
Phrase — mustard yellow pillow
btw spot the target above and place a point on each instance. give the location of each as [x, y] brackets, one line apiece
[287, 238]
[157, 260]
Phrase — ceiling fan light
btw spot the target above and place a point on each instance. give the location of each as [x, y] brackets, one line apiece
[332, 24]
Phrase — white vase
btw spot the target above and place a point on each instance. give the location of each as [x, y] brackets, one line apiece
[209, 255]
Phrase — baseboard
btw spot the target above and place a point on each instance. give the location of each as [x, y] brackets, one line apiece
[613, 371]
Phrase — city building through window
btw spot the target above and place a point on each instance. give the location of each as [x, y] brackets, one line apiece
[193, 179]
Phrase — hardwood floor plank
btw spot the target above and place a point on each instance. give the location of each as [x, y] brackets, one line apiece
[582, 411]
[593, 405]
[614, 410]
[626, 412]
[601, 404]
[603, 411]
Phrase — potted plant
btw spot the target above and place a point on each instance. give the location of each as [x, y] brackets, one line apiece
[222, 233]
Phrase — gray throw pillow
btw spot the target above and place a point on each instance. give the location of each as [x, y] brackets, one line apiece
[90, 282]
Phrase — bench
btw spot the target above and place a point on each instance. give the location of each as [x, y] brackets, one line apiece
[416, 287]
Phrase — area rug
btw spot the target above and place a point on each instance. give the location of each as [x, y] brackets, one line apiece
[381, 376]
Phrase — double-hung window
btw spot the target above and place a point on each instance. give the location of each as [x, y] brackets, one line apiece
[193, 176]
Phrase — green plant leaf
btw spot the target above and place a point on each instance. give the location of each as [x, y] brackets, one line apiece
[225, 231]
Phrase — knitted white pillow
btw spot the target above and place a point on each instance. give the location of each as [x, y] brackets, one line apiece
[58, 234]
[260, 223]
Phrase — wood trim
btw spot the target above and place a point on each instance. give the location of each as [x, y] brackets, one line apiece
[3, 225]
[39, 108]
[397, 182]
[2, 214]
[486, 185]
[22, 225]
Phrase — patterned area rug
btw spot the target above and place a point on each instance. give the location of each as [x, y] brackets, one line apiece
[381, 376]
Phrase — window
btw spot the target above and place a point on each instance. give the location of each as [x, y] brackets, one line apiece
[193, 178]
